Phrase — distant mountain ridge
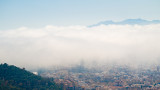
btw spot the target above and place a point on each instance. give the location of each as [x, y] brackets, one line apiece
[128, 21]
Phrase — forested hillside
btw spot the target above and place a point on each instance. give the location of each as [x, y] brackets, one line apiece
[14, 78]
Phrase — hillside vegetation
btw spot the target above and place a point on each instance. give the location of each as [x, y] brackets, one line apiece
[14, 78]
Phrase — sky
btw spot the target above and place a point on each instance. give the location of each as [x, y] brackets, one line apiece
[39, 33]
[39, 13]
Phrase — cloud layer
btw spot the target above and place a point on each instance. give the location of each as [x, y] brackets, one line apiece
[65, 45]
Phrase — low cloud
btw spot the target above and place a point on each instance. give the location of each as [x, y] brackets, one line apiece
[55, 45]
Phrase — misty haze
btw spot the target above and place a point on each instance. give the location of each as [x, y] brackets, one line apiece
[53, 45]
[79, 45]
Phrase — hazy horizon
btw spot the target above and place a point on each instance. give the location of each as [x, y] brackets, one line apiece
[38, 33]
[62, 45]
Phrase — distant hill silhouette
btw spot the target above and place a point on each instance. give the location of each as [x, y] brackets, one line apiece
[128, 21]
[14, 78]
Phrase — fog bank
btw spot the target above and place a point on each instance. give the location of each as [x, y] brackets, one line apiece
[56, 45]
